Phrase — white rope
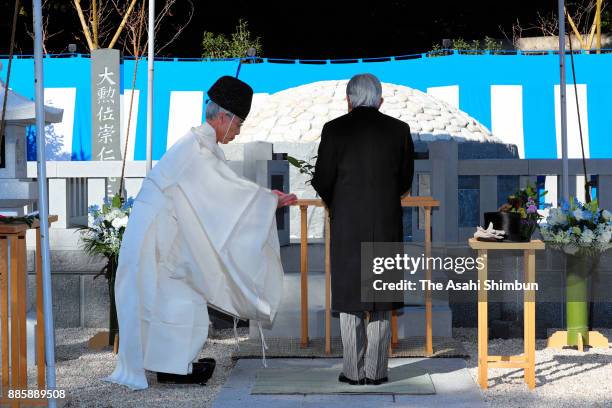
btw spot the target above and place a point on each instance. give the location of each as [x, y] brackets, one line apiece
[236, 333]
[264, 346]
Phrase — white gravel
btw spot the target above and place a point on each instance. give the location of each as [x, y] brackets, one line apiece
[564, 378]
[80, 370]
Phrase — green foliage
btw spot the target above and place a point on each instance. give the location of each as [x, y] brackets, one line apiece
[472, 47]
[303, 166]
[491, 44]
[221, 46]
[606, 21]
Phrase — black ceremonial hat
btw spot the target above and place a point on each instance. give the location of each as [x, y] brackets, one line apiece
[233, 95]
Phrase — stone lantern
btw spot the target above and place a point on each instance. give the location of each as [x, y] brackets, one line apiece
[16, 190]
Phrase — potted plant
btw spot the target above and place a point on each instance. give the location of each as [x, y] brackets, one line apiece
[583, 232]
[103, 238]
[518, 217]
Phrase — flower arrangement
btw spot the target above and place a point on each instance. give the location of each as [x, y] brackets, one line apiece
[578, 229]
[104, 238]
[108, 224]
[525, 203]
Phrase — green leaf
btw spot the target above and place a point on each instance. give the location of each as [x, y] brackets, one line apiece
[117, 201]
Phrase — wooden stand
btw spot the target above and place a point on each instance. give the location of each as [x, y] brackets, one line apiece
[13, 239]
[100, 341]
[427, 203]
[559, 340]
[526, 360]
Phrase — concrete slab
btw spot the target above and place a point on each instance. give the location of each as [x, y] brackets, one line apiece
[453, 383]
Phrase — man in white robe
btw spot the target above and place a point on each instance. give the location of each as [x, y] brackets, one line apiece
[198, 236]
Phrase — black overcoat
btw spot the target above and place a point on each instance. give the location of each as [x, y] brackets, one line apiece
[364, 165]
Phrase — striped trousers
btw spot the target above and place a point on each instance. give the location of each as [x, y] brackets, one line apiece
[365, 344]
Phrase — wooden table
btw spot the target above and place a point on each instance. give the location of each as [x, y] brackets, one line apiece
[427, 203]
[526, 360]
[13, 240]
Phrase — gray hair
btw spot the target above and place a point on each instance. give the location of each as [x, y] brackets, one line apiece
[212, 110]
[364, 90]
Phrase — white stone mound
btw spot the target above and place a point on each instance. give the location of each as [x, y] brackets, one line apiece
[298, 114]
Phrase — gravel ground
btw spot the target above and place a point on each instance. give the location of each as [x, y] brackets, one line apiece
[564, 378]
[80, 370]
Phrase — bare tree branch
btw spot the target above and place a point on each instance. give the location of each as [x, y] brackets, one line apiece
[45, 28]
[581, 17]
[104, 15]
[179, 27]
[94, 22]
[84, 26]
[123, 21]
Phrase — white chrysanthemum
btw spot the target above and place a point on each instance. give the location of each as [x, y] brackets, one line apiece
[556, 217]
[120, 222]
[605, 236]
[607, 215]
[587, 236]
[578, 215]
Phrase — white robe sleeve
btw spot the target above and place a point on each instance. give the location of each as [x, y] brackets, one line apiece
[232, 228]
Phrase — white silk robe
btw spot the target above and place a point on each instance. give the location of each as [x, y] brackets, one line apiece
[198, 235]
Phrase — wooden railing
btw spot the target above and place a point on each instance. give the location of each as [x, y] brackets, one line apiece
[426, 203]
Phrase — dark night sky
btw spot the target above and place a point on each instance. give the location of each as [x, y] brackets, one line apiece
[320, 29]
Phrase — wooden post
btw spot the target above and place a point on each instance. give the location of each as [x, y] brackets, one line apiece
[14, 314]
[327, 284]
[40, 321]
[21, 309]
[483, 323]
[394, 337]
[13, 284]
[529, 317]
[304, 273]
[428, 311]
[123, 21]
[598, 24]
[77, 6]
[4, 306]
[576, 31]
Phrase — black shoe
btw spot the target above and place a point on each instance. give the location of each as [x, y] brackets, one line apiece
[345, 379]
[200, 374]
[370, 381]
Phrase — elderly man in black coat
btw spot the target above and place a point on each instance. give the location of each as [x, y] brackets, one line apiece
[365, 164]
